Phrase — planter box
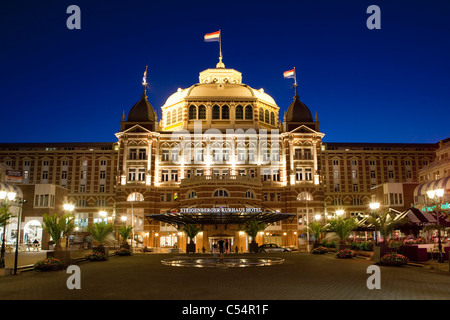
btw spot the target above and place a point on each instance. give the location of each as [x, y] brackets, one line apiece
[102, 249]
[63, 255]
[253, 247]
[190, 248]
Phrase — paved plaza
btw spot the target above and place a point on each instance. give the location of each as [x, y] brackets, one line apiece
[302, 277]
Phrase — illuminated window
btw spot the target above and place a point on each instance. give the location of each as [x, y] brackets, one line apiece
[221, 193]
[239, 112]
[192, 112]
[248, 113]
[202, 112]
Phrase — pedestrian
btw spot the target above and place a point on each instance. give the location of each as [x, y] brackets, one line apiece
[236, 250]
[215, 249]
[221, 244]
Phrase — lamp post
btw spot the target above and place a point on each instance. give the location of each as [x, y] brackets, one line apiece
[16, 254]
[436, 195]
[374, 206]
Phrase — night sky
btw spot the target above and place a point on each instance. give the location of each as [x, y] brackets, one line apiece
[387, 85]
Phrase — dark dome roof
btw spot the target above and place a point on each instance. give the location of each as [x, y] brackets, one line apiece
[298, 112]
[142, 111]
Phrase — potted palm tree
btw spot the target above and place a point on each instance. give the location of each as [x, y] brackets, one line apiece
[99, 232]
[317, 230]
[343, 228]
[252, 228]
[5, 215]
[385, 223]
[57, 228]
[124, 232]
[191, 231]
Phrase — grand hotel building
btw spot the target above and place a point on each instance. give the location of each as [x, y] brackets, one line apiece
[161, 167]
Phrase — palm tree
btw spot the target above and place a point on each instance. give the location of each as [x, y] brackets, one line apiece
[252, 228]
[191, 231]
[55, 228]
[342, 227]
[385, 223]
[317, 230]
[100, 231]
[5, 215]
[67, 227]
[124, 232]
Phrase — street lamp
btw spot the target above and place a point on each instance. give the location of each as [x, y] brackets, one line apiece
[340, 212]
[436, 194]
[374, 206]
[317, 217]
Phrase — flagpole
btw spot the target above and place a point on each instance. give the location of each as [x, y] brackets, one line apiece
[220, 43]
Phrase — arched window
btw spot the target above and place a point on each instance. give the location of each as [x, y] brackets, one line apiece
[220, 193]
[192, 195]
[356, 202]
[248, 113]
[249, 194]
[239, 112]
[305, 196]
[169, 118]
[261, 114]
[180, 114]
[225, 112]
[174, 116]
[135, 196]
[337, 202]
[272, 118]
[216, 112]
[266, 116]
[192, 112]
[202, 112]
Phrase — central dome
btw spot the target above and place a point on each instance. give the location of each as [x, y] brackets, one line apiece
[219, 84]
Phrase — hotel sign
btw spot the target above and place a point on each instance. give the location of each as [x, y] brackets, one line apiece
[220, 210]
[13, 176]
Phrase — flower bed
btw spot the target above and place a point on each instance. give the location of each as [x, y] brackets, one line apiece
[394, 259]
[49, 264]
[319, 250]
[96, 256]
[123, 252]
[345, 254]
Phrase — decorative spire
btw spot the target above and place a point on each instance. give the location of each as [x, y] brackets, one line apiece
[123, 115]
[144, 82]
[317, 117]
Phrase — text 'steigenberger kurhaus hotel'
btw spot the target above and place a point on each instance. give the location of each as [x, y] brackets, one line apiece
[220, 156]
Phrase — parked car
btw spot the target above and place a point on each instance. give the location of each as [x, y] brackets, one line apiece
[272, 247]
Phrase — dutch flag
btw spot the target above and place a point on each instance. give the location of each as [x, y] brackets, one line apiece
[211, 37]
[289, 73]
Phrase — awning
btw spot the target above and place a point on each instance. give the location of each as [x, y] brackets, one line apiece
[177, 218]
[420, 218]
[421, 189]
[8, 187]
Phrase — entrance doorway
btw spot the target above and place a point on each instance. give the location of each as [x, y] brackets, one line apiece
[229, 243]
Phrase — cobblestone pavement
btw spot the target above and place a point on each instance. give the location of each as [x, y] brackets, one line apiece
[302, 277]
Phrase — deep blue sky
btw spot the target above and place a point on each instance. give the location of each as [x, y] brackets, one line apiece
[388, 85]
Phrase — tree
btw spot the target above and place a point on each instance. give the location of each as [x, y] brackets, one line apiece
[67, 227]
[5, 215]
[124, 232]
[317, 230]
[55, 228]
[191, 231]
[342, 227]
[100, 231]
[385, 223]
[252, 228]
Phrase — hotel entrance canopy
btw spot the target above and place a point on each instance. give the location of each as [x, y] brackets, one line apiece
[213, 218]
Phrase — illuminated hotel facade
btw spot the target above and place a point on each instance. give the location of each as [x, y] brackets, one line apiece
[219, 145]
